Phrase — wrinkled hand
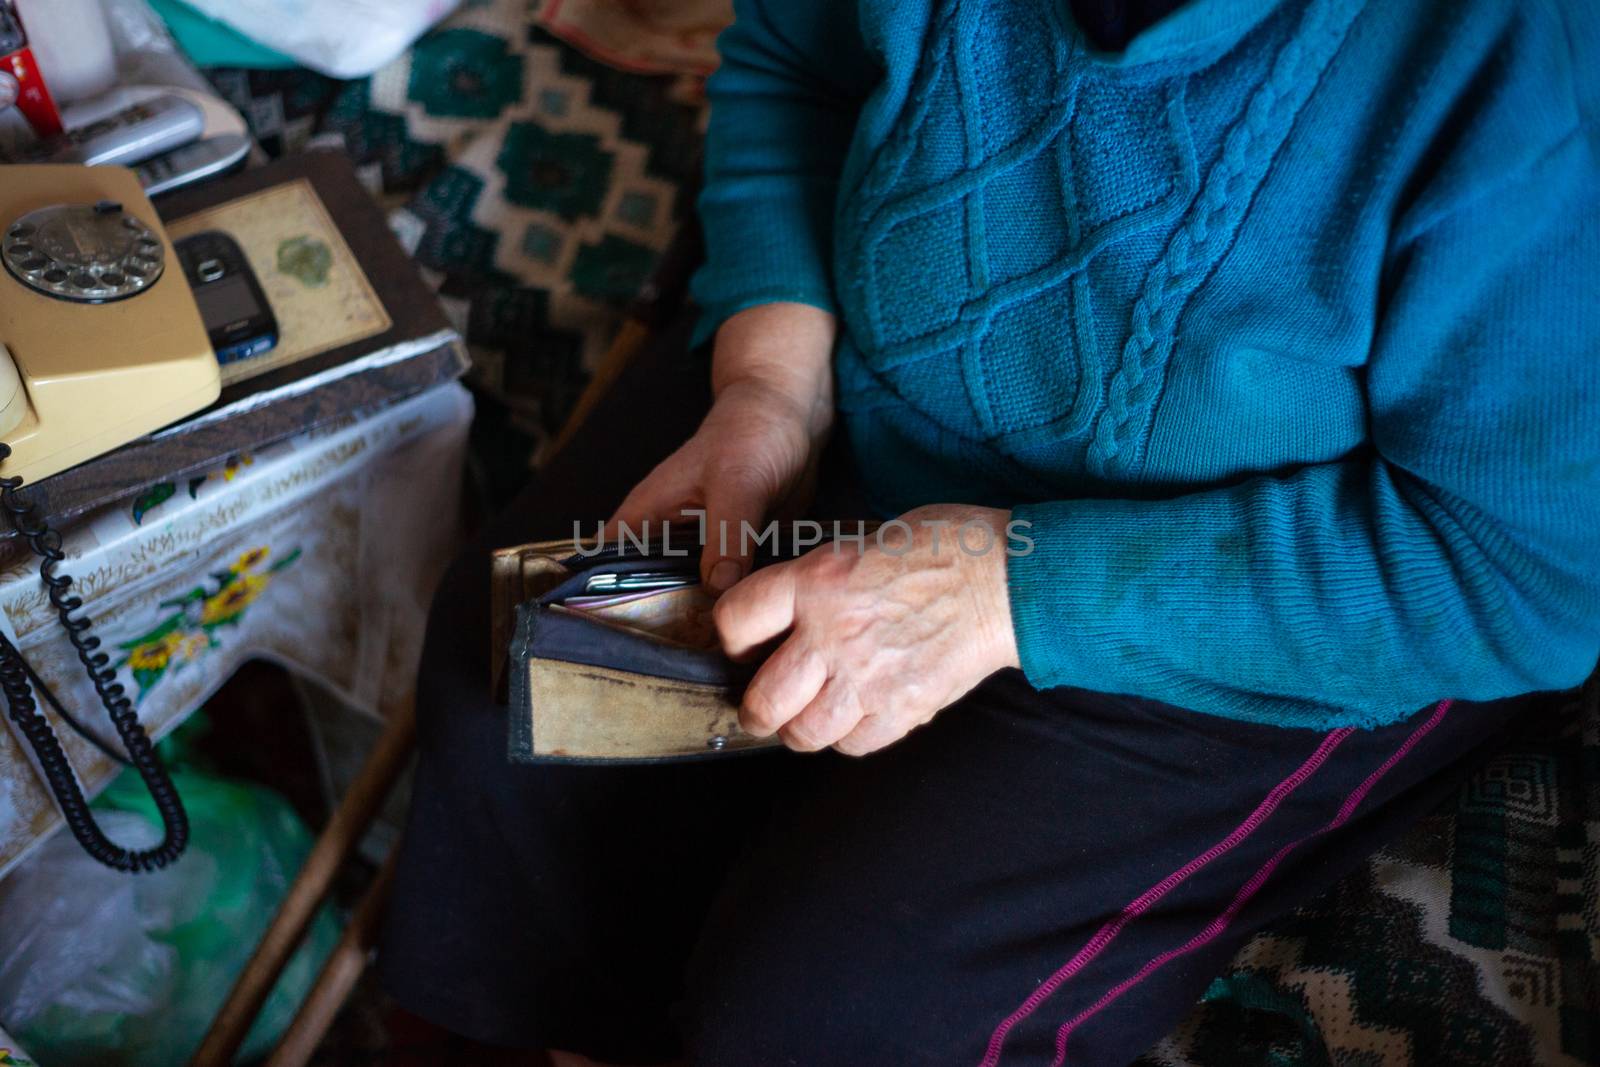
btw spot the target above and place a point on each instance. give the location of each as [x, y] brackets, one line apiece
[755, 455]
[875, 642]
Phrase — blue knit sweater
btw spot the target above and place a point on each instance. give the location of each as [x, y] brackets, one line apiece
[1281, 327]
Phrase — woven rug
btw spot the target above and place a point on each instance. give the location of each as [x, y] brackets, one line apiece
[536, 185]
[1474, 940]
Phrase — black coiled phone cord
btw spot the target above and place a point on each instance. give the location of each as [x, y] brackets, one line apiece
[16, 682]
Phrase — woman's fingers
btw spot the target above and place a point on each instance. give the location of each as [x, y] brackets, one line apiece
[736, 499]
[786, 683]
[872, 732]
[756, 610]
[831, 716]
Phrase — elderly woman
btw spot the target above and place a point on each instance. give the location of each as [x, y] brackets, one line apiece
[1272, 327]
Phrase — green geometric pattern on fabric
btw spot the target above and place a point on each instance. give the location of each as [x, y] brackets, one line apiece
[566, 174]
[612, 268]
[516, 318]
[371, 135]
[540, 367]
[1478, 887]
[669, 130]
[540, 186]
[1473, 940]
[281, 106]
[1258, 1022]
[453, 242]
[541, 360]
[464, 73]
[1393, 981]
[305, 95]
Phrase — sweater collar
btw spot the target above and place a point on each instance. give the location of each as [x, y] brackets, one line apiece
[1198, 27]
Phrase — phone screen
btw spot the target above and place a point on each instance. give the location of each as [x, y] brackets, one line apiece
[226, 301]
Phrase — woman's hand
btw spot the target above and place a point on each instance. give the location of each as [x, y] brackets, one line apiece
[756, 452]
[876, 641]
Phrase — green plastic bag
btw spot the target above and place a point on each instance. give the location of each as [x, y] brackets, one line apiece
[101, 969]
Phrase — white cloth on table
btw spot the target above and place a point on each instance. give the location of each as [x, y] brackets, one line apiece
[320, 553]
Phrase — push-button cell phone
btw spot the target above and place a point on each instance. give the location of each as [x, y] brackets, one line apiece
[235, 310]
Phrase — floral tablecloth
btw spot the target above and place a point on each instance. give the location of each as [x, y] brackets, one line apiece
[11, 1054]
[320, 553]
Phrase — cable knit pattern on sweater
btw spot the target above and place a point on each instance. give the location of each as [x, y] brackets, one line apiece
[1195, 244]
[1279, 327]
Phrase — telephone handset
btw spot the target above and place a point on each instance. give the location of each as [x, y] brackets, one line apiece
[100, 343]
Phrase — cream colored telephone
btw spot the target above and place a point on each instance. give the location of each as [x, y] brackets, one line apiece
[99, 343]
[100, 338]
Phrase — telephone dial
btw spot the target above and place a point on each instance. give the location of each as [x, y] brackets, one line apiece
[101, 342]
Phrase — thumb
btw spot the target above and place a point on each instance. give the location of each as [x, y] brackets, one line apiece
[735, 505]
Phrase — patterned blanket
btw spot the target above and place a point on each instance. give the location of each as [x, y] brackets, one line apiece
[537, 184]
[1473, 940]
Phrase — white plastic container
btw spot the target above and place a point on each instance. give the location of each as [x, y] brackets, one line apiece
[72, 43]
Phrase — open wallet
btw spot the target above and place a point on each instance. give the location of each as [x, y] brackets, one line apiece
[611, 656]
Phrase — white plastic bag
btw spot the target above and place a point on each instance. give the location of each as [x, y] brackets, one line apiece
[101, 969]
[115, 970]
[340, 38]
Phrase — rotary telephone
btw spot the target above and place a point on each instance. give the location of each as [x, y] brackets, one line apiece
[100, 343]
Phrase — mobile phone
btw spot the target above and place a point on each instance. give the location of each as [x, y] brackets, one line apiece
[607, 582]
[232, 305]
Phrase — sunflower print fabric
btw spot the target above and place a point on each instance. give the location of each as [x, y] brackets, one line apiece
[189, 630]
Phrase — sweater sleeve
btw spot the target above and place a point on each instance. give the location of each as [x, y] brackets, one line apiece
[783, 109]
[1459, 556]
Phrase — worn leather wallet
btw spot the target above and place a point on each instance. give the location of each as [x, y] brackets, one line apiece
[611, 656]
